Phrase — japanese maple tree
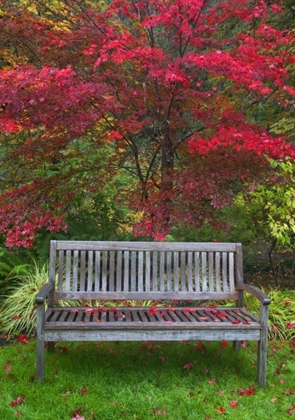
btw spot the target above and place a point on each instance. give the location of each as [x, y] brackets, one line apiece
[170, 86]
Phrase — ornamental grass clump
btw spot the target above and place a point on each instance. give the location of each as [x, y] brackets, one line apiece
[18, 311]
[281, 313]
[18, 305]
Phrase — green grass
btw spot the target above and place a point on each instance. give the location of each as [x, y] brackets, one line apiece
[142, 381]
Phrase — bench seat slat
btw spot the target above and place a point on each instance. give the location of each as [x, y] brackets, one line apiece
[147, 246]
[146, 296]
[152, 325]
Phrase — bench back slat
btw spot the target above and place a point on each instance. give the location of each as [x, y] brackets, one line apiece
[119, 270]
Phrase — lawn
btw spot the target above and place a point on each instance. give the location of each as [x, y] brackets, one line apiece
[142, 381]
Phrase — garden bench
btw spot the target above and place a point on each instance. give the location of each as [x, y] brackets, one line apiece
[93, 274]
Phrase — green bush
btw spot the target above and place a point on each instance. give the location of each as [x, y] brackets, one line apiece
[12, 264]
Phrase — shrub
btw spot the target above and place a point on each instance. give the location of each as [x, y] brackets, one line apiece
[281, 313]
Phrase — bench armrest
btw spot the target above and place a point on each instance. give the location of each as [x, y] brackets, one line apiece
[263, 298]
[44, 292]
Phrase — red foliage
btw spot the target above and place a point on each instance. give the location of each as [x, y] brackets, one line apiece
[162, 84]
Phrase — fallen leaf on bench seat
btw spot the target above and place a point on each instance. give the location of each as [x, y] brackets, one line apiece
[153, 310]
[92, 310]
[119, 314]
[74, 310]
[222, 314]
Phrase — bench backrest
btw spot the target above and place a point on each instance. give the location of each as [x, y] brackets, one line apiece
[145, 270]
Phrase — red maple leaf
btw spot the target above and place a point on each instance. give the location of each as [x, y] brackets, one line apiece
[246, 392]
[221, 410]
[188, 365]
[76, 414]
[161, 411]
[291, 410]
[153, 310]
[18, 401]
[221, 314]
[22, 338]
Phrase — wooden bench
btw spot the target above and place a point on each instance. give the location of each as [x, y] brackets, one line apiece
[168, 272]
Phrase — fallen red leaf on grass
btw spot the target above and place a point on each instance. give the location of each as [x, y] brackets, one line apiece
[76, 413]
[288, 392]
[234, 404]
[22, 338]
[221, 410]
[188, 366]
[83, 391]
[157, 411]
[18, 401]
[246, 392]
[291, 410]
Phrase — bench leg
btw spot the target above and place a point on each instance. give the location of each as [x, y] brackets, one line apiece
[262, 347]
[237, 345]
[50, 346]
[262, 361]
[40, 350]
